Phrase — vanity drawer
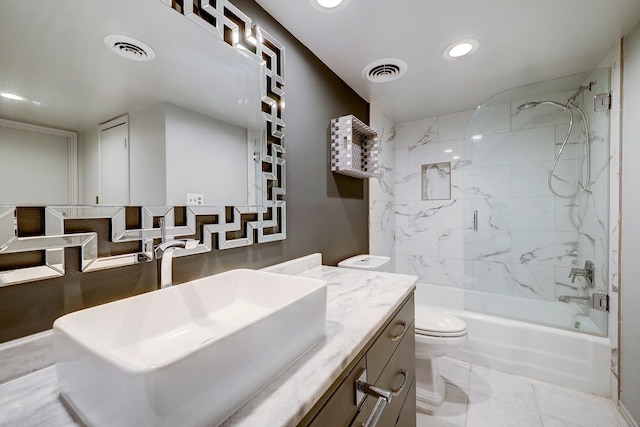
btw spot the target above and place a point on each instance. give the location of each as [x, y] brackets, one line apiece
[398, 377]
[341, 407]
[407, 415]
[389, 339]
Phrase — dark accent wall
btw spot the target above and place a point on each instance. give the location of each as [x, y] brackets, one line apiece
[326, 213]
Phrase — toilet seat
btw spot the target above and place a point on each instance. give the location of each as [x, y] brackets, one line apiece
[436, 323]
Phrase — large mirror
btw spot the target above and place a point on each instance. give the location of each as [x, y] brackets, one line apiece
[126, 102]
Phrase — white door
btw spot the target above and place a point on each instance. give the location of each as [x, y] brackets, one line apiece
[114, 162]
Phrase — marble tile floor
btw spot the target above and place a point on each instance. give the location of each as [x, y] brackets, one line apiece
[481, 397]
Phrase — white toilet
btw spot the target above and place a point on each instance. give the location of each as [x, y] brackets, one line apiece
[367, 262]
[437, 334]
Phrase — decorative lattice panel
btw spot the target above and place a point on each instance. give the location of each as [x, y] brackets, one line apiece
[354, 148]
[229, 227]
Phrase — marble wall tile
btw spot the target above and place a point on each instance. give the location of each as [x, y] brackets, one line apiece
[423, 242]
[488, 245]
[529, 214]
[434, 152]
[436, 270]
[530, 179]
[564, 285]
[490, 119]
[576, 139]
[531, 145]
[418, 216]
[382, 191]
[407, 181]
[453, 126]
[541, 115]
[566, 214]
[401, 263]
[565, 177]
[381, 227]
[450, 243]
[487, 182]
[544, 248]
[416, 133]
[515, 214]
[515, 279]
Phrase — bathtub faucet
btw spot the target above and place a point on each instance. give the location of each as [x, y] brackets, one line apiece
[579, 300]
[586, 272]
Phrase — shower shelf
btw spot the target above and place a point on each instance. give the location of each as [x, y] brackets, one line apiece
[354, 148]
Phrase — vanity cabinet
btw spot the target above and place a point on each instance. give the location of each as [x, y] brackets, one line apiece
[389, 361]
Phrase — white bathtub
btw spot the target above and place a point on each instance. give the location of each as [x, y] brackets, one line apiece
[566, 358]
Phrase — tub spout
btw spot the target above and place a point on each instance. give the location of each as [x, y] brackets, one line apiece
[578, 300]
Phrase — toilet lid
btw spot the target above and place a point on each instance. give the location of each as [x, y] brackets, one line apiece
[438, 323]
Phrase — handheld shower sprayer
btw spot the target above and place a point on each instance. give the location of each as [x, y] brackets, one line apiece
[568, 107]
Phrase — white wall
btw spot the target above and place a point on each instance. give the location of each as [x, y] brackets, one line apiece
[630, 229]
[205, 156]
[186, 152]
[147, 156]
[38, 164]
[89, 165]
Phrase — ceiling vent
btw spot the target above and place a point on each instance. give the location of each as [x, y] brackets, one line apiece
[384, 70]
[129, 48]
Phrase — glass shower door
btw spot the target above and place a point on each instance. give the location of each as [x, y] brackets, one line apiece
[526, 225]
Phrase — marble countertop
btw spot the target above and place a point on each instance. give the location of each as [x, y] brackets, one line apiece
[358, 304]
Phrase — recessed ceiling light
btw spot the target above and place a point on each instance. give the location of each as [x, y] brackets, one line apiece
[476, 137]
[13, 96]
[329, 5]
[448, 150]
[460, 48]
[455, 157]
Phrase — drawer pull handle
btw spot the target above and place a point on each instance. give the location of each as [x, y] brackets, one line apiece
[383, 396]
[401, 334]
[397, 391]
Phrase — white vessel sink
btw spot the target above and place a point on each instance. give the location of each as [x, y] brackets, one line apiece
[189, 355]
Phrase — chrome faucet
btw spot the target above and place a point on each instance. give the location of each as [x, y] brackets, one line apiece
[164, 252]
[578, 300]
[586, 272]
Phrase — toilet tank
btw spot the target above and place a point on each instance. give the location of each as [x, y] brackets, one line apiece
[367, 262]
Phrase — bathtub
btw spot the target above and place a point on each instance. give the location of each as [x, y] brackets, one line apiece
[570, 359]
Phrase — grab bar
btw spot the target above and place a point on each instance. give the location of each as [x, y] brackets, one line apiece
[475, 221]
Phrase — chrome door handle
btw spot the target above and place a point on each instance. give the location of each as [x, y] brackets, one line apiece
[475, 220]
[383, 397]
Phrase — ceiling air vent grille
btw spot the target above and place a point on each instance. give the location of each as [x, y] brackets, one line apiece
[129, 48]
[384, 70]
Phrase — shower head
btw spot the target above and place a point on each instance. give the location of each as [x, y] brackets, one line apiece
[527, 105]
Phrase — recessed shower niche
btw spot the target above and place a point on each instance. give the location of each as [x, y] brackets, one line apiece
[436, 181]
